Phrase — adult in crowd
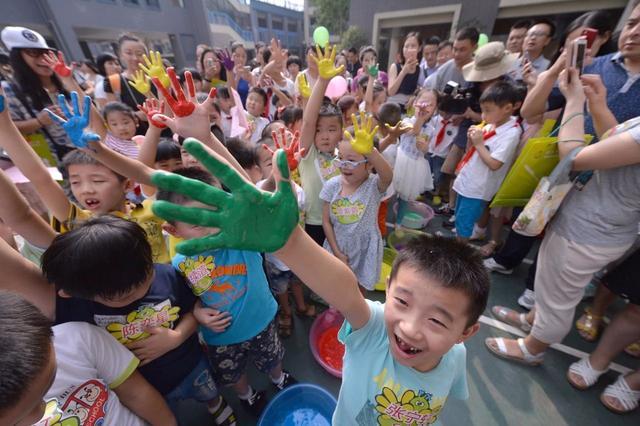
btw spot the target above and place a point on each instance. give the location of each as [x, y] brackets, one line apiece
[243, 79]
[536, 40]
[107, 65]
[35, 87]
[429, 61]
[595, 225]
[405, 74]
[465, 43]
[91, 76]
[544, 95]
[118, 88]
[353, 63]
[199, 50]
[213, 73]
[517, 33]
[445, 52]
[310, 73]
[294, 66]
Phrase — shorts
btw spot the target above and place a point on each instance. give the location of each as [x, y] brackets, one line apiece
[451, 162]
[229, 362]
[198, 385]
[623, 278]
[279, 280]
[468, 211]
[436, 162]
[316, 232]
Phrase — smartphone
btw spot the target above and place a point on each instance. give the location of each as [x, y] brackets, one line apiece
[590, 34]
[579, 51]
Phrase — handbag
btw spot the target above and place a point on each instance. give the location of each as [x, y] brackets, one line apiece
[546, 199]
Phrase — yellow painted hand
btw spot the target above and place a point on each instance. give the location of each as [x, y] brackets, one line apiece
[303, 86]
[155, 68]
[364, 133]
[141, 83]
[327, 63]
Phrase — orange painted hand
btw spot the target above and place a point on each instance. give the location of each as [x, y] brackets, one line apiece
[364, 133]
[327, 63]
[291, 149]
[155, 69]
[56, 63]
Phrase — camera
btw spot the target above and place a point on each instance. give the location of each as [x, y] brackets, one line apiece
[455, 100]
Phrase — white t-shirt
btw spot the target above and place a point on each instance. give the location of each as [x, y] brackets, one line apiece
[259, 124]
[98, 91]
[90, 364]
[476, 179]
[450, 133]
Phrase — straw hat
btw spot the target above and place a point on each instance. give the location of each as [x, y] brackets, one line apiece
[491, 61]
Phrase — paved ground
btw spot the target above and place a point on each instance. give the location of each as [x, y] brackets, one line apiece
[501, 393]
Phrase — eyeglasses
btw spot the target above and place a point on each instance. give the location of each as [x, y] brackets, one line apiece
[34, 53]
[347, 164]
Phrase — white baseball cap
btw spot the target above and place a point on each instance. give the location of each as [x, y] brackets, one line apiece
[23, 38]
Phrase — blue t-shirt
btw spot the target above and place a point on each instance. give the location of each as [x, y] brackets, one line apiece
[231, 281]
[376, 389]
[164, 304]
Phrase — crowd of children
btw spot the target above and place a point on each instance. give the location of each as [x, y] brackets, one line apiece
[193, 202]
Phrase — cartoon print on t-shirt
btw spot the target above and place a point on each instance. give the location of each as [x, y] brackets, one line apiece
[219, 284]
[326, 168]
[409, 409]
[347, 212]
[133, 326]
[85, 405]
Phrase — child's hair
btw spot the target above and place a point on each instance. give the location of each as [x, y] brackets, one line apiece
[266, 140]
[389, 113]
[168, 150]
[242, 152]
[102, 59]
[377, 89]
[188, 172]
[362, 81]
[117, 248]
[261, 93]
[291, 114]
[293, 59]
[501, 93]
[327, 109]
[266, 56]
[426, 90]
[223, 93]
[266, 132]
[367, 49]
[78, 157]
[451, 264]
[26, 347]
[120, 107]
[346, 102]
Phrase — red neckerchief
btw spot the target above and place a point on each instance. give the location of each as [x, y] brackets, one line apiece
[472, 150]
[440, 135]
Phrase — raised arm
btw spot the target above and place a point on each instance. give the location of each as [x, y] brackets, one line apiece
[326, 71]
[31, 166]
[535, 103]
[571, 134]
[372, 72]
[596, 92]
[19, 216]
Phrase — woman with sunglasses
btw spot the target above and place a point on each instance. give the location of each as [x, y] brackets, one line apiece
[35, 87]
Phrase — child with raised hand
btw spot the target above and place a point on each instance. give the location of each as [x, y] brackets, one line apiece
[320, 135]
[256, 102]
[408, 349]
[485, 165]
[97, 189]
[121, 128]
[351, 202]
[45, 375]
[412, 174]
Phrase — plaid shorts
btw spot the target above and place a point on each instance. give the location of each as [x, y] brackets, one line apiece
[229, 362]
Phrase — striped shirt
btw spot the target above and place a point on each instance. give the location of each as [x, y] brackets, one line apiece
[127, 148]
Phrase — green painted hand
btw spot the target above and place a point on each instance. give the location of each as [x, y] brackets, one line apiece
[373, 70]
[248, 218]
[363, 141]
[327, 63]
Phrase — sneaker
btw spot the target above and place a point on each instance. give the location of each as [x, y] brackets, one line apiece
[449, 223]
[255, 404]
[223, 415]
[288, 380]
[494, 266]
[444, 210]
[527, 299]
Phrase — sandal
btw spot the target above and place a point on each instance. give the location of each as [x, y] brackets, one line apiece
[500, 350]
[309, 312]
[502, 313]
[623, 394]
[489, 249]
[589, 325]
[285, 324]
[633, 349]
[586, 372]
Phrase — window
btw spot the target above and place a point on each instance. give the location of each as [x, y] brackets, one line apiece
[292, 27]
[277, 24]
[262, 22]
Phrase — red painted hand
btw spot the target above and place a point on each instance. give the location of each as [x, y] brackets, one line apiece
[152, 107]
[56, 63]
[180, 105]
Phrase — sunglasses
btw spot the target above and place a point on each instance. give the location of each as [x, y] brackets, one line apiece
[35, 53]
[347, 164]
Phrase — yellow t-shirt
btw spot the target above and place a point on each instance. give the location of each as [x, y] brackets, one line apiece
[139, 213]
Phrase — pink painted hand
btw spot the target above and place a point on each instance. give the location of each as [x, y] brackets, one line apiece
[56, 63]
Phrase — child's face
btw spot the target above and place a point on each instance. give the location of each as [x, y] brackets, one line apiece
[353, 175]
[353, 109]
[494, 114]
[255, 104]
[97, 188]
[121, 125]
[328, 134]
[426, 104]
[423, 319]
[31, 407]
[225, 104]
[169, 165]
[369, 59]
[293, 69]
[188, 160]
[265, 162]
[188, 231]
[296, 126]
[379, 99]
